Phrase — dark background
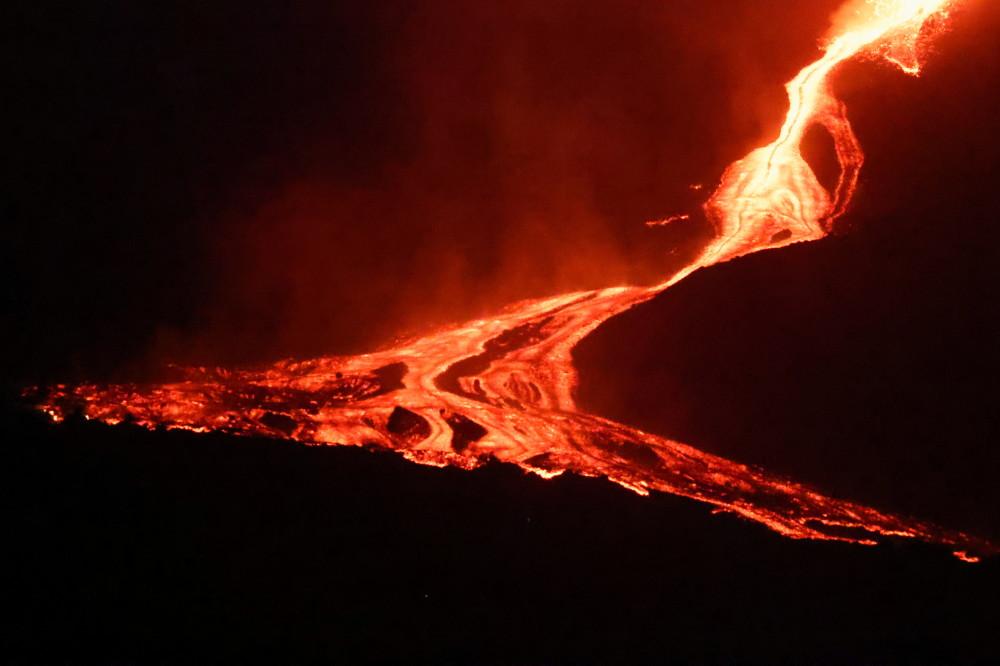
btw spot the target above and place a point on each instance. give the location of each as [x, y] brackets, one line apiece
[231, 182]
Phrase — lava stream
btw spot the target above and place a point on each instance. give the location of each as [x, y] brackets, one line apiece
[502, 388]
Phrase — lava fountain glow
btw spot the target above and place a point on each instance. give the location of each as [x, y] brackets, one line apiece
[502, 388]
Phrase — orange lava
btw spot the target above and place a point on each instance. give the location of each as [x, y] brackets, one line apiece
[502, 388]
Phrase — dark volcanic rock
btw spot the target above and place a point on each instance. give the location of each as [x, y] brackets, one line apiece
[465, 431]
[408, 425]
[126, 545]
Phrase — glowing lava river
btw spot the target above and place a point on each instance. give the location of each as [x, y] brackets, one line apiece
[502, 388]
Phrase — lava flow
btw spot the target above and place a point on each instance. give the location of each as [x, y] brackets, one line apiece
[502, 388]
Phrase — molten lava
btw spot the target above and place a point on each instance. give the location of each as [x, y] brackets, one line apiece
[502, 388]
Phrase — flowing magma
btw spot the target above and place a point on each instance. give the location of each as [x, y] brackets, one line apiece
[502, 388]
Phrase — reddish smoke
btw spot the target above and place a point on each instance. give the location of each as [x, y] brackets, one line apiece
[516, 150]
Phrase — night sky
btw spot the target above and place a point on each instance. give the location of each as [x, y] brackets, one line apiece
[231, 183]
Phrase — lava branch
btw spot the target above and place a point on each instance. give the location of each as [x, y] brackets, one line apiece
[501, 388]
[504, 393]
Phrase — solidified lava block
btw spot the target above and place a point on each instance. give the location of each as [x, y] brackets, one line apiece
[390, 377]
[408, 425]
[634, 452]
[280, 422]
[465, 431]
